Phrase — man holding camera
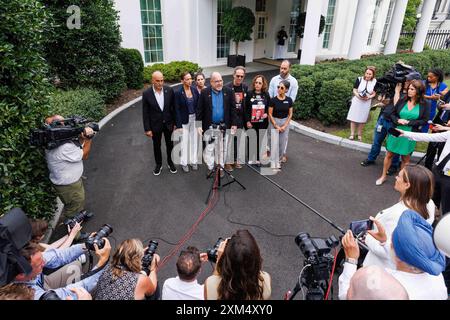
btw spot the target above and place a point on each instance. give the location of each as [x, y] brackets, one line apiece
[55, 258]
[65, 164]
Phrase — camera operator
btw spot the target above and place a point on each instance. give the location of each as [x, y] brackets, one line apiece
[185, 285]
[54, 258]
[238, 274]
[418, 263]
[39, 229]
[65, 164]
[124, 279]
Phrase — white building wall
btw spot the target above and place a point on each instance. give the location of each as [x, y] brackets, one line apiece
[130, 24]
[190, 29]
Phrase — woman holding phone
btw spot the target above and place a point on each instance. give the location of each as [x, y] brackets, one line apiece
[415, 185]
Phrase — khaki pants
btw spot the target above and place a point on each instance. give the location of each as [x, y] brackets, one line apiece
[64, 276]
[72, 196]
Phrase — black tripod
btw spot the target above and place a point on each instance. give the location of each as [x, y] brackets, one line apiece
[216, 174]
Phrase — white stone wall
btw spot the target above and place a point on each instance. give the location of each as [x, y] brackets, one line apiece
[130, 24]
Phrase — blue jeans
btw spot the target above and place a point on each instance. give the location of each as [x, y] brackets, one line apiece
[378, 138]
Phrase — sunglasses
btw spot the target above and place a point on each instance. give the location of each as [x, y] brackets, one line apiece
[238, 76]
[281, 87]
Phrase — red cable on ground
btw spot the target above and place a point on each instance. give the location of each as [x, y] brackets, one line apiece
[212, 202]
[330, 283]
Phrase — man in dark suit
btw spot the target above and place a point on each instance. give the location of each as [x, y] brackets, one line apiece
[215, 106]
[158, 110]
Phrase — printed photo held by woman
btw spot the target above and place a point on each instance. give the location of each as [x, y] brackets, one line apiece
[363, 93]
[410, 114]
[280, 114]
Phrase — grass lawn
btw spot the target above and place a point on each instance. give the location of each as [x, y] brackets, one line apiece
[369, 129]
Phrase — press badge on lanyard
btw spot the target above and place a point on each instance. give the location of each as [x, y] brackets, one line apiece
[379, 128]
[447, 173]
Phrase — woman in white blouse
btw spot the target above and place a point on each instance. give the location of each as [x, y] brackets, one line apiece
[415, 185]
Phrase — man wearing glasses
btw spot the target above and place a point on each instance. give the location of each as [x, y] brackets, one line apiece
[239, 90]
[284, 75]
[216, 106]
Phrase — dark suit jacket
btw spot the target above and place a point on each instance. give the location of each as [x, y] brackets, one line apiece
[424, 115]
[181, 106]
[154, 118]
[240, 114]
[204, 108]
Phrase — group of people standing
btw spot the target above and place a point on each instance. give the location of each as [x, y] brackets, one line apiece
[197, 110]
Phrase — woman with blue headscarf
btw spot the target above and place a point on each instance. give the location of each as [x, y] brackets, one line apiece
[418, 263]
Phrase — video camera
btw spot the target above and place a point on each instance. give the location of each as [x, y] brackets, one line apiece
[148, 256]
[318, 264]
[60, 132]
[397, 74]
[104, 232]
[212, 252]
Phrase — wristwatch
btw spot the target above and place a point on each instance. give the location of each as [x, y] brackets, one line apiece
[352, 261]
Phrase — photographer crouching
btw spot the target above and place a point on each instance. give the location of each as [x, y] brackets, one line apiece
[65, 163]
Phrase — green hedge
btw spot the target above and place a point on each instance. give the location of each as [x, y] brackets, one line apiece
[133, 65]
[304, 104]
[347, 71]
[88, 56]
[171, 71]
[84, 102]
[24, 92]
[330, 98]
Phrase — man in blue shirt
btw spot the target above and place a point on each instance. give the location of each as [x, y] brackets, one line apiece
[55, 258]
[216, 106]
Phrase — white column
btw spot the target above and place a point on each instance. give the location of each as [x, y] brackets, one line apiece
[423, 25]
[396, 26]
[360, 31]
[311, 35]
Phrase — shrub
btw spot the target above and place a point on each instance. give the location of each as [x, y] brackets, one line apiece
[332, 101]
[133, 65]
[405, 43]
[24, 93]
[171, 71]
[304, 104]
[86, 57]
[83, 102]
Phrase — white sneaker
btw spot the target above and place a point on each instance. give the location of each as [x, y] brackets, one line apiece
[82, 258]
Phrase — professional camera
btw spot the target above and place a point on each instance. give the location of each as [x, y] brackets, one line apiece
[317, 265]
[79, 217]
[398, 73]
[212, 252]
[57, 133]
[104, 232]
[148, 256]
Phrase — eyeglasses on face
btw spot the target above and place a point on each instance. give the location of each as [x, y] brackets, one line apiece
[281, 87]
[238, 76]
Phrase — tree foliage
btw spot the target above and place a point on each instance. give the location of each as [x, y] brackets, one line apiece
[88, 56]
[238, 24]
[409, 22]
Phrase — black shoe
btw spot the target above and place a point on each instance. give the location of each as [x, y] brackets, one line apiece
[367, 162]
[157, 171]
[392, 171]
[172, 168]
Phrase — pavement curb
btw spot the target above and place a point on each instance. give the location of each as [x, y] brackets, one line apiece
[343, 142]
